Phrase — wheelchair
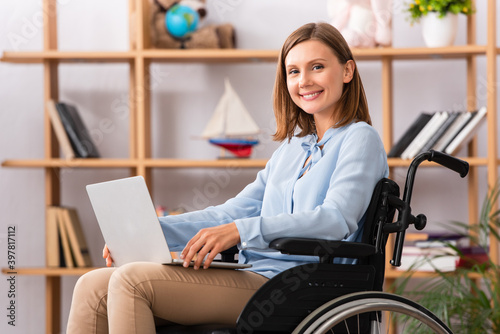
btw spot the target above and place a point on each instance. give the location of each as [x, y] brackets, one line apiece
[328, 297]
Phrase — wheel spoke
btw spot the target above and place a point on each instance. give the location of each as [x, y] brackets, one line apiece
[347, 326]
[389, 322]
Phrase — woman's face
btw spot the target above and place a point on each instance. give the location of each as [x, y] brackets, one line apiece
[315, 78]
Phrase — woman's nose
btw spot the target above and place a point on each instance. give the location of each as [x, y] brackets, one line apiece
[304, 80]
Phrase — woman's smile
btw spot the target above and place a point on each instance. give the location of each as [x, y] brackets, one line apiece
[309, 96]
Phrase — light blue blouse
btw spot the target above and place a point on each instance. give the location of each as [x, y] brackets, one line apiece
[327, 202]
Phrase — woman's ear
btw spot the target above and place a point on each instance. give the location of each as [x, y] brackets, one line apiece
[349, 71]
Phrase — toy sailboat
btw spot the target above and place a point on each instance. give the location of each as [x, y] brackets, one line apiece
[231, 126]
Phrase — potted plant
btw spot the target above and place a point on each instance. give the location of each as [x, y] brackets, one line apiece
[439, 19]
[467, 299]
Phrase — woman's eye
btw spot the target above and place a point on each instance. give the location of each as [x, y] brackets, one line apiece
[318, 67]
[293, 72]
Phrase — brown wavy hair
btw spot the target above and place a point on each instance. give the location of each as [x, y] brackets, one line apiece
[352, 105]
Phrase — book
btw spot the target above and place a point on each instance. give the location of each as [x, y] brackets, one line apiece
[473, 255]
[403, 142]
[76, 238]
[452, 131]
[424, 135]
[444, 236]
[466, 134]
[431, 252]
[66, 245]
[440, 132]
[428, 259]
[62, 136]
[68, 255]
[436, 243]
[77, 132]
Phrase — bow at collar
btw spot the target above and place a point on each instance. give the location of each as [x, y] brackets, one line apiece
[313, 148]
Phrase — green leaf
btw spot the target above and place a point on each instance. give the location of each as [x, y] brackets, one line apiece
[416, 9]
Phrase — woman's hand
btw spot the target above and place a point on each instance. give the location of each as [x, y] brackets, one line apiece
[210, 241]
[107, 255]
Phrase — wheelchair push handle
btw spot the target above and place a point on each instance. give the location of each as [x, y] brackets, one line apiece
[445, 160]
[455, 164]
[406, 219]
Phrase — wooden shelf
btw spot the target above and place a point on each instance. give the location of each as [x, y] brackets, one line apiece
[129, 163]
[242, 55]
[73, 163]
[222, 163]
[67, 56]
[184, 163]
[40, 271]
[392, 274]
[211, 55]
[397, 162]
[230, 55]
[419, 53]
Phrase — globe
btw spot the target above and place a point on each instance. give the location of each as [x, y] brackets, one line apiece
[181, 21]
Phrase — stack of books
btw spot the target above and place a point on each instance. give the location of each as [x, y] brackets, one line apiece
[66, 244]
[443, 252]
[431, 253]
[441, 131]
[71, 132]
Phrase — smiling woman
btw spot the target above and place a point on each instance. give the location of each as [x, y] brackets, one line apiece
[317, 89]
[317, 81]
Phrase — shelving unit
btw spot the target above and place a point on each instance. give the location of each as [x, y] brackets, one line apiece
[140, 161]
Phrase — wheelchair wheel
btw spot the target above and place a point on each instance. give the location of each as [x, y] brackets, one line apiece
[371, 312]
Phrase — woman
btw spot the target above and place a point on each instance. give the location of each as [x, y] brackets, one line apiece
[317, 184]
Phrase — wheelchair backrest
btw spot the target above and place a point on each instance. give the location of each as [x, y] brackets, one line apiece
[379, 213]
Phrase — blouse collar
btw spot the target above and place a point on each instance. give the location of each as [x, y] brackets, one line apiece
[313, 148]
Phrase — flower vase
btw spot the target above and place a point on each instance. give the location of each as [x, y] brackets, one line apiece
[439, 31]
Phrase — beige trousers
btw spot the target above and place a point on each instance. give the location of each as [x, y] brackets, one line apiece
[128, 299]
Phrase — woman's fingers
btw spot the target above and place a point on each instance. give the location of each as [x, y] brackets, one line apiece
[105, 252]
[188, 252]
[107, 255]
[210, 257]
[196, 250]
[201, 254]
[209, 242]
[109, 261]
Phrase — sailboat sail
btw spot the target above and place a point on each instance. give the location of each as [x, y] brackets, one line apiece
[231, 124]
[230, 118]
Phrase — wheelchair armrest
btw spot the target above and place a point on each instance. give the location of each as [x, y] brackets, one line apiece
[323, 248]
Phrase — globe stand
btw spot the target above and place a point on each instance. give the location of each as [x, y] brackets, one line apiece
[183, 42]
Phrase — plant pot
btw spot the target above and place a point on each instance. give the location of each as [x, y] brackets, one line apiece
[439, 31]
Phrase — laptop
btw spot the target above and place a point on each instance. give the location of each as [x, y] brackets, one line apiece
[129, 224]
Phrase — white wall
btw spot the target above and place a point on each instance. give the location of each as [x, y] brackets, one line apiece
[183, 98]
